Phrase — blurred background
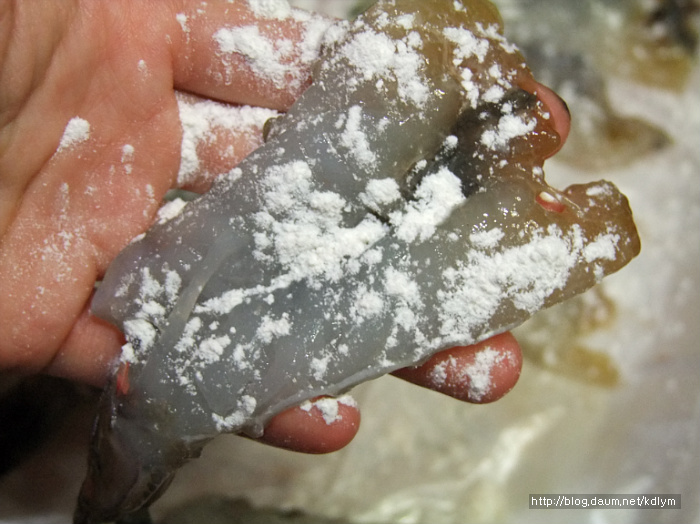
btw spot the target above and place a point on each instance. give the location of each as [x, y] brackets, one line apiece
[609, 397]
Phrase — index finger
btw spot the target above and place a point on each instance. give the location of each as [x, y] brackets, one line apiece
[241, 54]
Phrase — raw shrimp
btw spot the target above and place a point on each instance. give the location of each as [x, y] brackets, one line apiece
[398, 209]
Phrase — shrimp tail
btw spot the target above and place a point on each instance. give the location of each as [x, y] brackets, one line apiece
[130, 464]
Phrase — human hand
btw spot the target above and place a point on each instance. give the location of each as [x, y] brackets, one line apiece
[69, 202]
[65, 214]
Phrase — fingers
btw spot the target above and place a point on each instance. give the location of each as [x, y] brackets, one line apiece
[240, 53]
[216, 137]
[559, 115]
[88, 352]
[558, 111]
[320, 426]
[481, 373]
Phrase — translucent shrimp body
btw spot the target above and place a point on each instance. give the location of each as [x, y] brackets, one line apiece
[398, 209]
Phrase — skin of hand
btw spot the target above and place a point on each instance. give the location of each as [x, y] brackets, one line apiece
[65, 214]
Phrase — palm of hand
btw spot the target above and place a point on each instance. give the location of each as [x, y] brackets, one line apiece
[67, 209]
[65, 214]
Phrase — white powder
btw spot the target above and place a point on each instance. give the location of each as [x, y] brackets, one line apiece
[270, 328]
[494, 94]
[152, 310]
[438, 375]
[319, 366]
[406, 318]
[375, 56]
[479, 373]
[211, 349]
[603, 247]
[471, 89]
[275, 59]
[399, 284]
[150, 286]
[469, 47]
[372, 257]
[309, 239]
[467, 44]
[495, 72]
[329, 407]
[435, 198]
[182, 20]
[315, 32]
[201, 121]
[231, 421]
[187, 339]
[330, 410]
[77, 130]
[128, 354]
[266, 57]
[599, 190]
[368, 303]
[270, 8]
[127, 157]
[476, 378]
[486, 239]
[245, 407]
[451, 142]
[478, 288]
[380, 192]
[492, 32]
[170, 210]
[127, 153]
[354, 138]
[223, 304]
[153, 298]
[406, 21]
[141, 330]
[509, 127]
[523, 275]
[239, 356]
